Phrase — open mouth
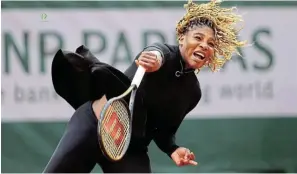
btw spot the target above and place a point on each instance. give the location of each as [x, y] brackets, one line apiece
[199, 55]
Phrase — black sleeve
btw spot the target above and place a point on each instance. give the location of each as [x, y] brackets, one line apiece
[104, 79]
[165, 139]
[165, 136]
[71, 77]
[79, 77]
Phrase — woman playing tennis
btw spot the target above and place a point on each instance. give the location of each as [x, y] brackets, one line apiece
[207, 37]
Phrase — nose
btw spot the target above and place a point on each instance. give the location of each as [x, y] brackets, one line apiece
[204, 46]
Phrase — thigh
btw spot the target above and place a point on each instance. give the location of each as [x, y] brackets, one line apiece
[131, 163]
[78, 150]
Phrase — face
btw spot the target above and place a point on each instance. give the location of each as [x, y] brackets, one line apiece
[197, 46]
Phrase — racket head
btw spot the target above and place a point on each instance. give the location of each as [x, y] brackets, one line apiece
[115, 128]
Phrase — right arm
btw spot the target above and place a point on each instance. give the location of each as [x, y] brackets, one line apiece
[159, 51]
[151, 61]
[152, 58]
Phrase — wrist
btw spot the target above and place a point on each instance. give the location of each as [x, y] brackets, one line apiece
[172, 150]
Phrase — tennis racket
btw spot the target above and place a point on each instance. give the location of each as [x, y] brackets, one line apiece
[115, 123]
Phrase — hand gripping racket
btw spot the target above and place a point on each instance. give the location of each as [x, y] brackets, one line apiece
[115, 123]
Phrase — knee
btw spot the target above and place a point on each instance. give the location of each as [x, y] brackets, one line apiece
[98, 105]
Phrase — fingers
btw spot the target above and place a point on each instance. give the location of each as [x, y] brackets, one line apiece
[184, 162]
[188, 158]
[148, 53]
[192, 162]
[187, 153]
[191, 156]
[176, 158]
[146, 65]
[148, 57]
[183, 157]
[148, 60]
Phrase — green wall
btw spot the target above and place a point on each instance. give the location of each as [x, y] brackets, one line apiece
[221, 145]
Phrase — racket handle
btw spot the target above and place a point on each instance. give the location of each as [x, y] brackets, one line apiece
[138, 76]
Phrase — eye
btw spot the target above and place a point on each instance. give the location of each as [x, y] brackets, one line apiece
[211, 44]
[198, 38]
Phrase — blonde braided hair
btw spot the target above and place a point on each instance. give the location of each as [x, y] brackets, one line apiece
[223, 21]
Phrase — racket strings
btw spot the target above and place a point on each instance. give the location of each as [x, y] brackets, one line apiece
[108, 140]
[117, 111]
[123, 116]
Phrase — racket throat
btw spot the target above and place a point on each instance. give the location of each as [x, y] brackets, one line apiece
[132, 99]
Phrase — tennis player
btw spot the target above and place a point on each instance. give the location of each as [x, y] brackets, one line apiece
[207, 37]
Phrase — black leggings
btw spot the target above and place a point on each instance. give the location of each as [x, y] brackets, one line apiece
[78, 151]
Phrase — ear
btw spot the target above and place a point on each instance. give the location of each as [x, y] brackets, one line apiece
[181, 40]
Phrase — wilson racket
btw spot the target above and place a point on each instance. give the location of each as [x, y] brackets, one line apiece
[115, 123]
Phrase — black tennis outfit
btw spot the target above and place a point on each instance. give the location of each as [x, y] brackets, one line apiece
[163, 99]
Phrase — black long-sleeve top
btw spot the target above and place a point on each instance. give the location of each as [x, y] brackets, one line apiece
[169, 95]
[163, 99]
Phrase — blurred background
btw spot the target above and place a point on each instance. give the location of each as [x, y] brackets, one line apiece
[245, 122]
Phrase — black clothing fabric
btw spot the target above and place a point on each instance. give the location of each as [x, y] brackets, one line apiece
[78, 151]
[163, 99]
[79, 77]
[167, 97]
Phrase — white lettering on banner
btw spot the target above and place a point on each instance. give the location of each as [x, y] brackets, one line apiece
[263, 82]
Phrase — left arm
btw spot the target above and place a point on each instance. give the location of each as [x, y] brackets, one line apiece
[165, 140]
[165, 137]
